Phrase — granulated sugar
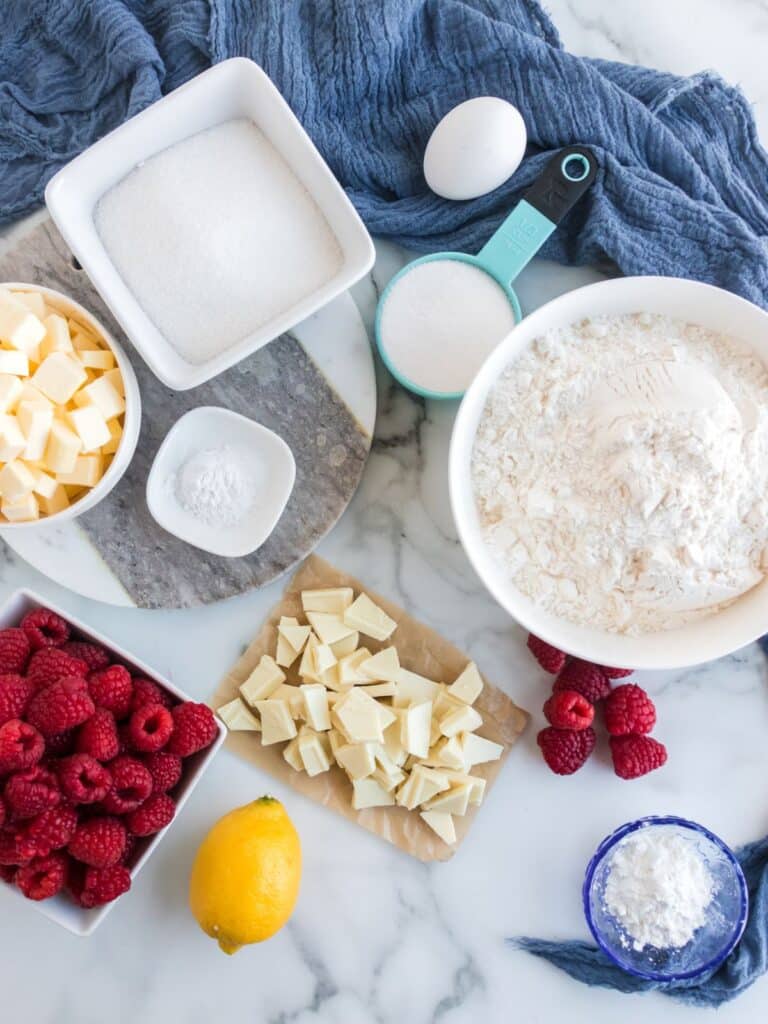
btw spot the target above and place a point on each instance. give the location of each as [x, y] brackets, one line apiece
[621, 472]
[215, 236]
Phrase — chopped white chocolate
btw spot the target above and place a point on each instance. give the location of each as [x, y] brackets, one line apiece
[285, 653]
[414, 728]
[382, 667]
[413, 689]
[12, 440]
[453, 801]
[263, 681]
[316, 711]
[449, 752]
[307, 668]
[35, 420]
[346, 646]
[475, 783]
[295, 634]
[312, 753]
[59, 376]
[237, 718]
[333, 600]
[349, 667]
[335, 741]
[366, 617]
[463, 719]
[10, 391]
[276, 722]
[329, 628]
[380, 689]
[468, 686]
[445, 703]
[62, 449]
[368, 793]
[16, 481]
[324, 658]
[392, 742]
[440, 823]
[427, 783]
[292, 755]
[388, 780]
[21, 511]
[478, 750]
[293, 698]
[356, 759]
[358, 717]
[405, 794]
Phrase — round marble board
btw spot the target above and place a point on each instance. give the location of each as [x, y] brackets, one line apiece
[314, 386]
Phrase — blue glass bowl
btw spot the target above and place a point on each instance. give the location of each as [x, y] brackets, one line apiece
[710, 945]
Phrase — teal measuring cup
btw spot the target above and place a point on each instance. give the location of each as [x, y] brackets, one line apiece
[564, 180]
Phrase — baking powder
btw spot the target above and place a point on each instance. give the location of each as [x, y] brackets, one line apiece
[215, 486]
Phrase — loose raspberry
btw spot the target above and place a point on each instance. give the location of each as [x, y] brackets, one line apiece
[3, 812]
[94, 655]
[31, 791]
[131, 785]
[566, 751]
[146, 691]
[634, 756]
[165, 770]
[61, 744]
[616, 673]
[150, 728]
[45, 628]
[549, 657]
[98, 736]
[99, 842]
[194, 728]
[154, 814]
[629, 709]
[14, 650]
[111, 688]
[15, 694]
[82, 779]
[11, 854]
[60, 707]
[43, 877]
[50, 664]
[102, 885]
[21, 746]
[585, 678]
[50, 830]
[569, 710]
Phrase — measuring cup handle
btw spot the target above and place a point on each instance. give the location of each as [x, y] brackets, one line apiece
[561, 184]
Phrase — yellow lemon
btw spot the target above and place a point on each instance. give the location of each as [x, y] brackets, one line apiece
[245, 878]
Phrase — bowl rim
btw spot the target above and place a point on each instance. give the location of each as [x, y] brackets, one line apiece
[652, 821]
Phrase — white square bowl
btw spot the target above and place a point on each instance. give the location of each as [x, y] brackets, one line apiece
[61, 908]
[235, 88]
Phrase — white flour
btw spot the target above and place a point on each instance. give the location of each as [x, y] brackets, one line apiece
[658, 888]
[621, 472]
[440, 321]
[216, 486]
[215, 236]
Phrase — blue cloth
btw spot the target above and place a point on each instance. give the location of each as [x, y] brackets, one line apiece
[682, 189]
[741, 969]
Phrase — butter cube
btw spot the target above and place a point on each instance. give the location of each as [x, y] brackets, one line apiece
[62, 449]
[237, 718]
[35, 421]
[87, 472]
[366, 617]
[102, 394]
[29, 393]
[10, 390]
[115, 436]
[312, 753]
[277, 726]
[441, 824]
[12, 440]
[357, 715]
[16, 481]
[414, 728]
[479, 750]
[57, 502]
[368, 793]
[115, 378]
[383, 666]
[413, 689]
[45, 485]
[329, 628]
[57, 337]
[19, 327]
[13, 362]
[263, 681]
[34, 302]
[82, 340]
[464, 719]
[356, 759]
[333, 600]
[97, 359]
[90, 426]
[316, 711]
[23, 510]
[454, 801]
[292, 756]
[468, 686]
[59, 376]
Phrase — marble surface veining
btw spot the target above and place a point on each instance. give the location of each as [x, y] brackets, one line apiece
[377, 938]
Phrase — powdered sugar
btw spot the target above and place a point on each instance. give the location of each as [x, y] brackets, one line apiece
[621, 471]
[215, 486]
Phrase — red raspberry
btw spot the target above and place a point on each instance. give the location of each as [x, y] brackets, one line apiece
[145, 691]
[82, 779]
[569, 710]
[194, 728]
[150, 728]
[3, 812]
[111, 688]
[165, 770]
[130, 846]
[61, 744]
[154, 814]
[8, 873]
[21, 746]
[31, 791]
[50, 830]
[50, 664]
[585, 678]
[616, 673]
[14, 650]
[11, 853]
[549, 657]
[98, 736]
[43, 877]
[15, 694]
[94, 655]
[45, 629]
[60, 707]
[99, 842]
[634, 756]
[629, 709]
[131, 785]
[566, 751]
[103, 885]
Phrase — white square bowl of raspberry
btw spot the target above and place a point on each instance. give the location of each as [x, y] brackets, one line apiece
[98, 754]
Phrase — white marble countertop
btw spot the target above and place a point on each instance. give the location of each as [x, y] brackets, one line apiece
[378, 937]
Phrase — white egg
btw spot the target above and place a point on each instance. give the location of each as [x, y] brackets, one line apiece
[474, 148]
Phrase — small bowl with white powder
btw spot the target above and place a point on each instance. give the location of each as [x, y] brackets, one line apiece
[220, 481]
[665, 899]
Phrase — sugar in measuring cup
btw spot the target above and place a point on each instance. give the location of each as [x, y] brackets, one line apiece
[441, 315]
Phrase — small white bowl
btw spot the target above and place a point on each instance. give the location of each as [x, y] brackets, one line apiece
[131, 420]
[269, 456]
[61, 908]
[709, 637]
[235, 88]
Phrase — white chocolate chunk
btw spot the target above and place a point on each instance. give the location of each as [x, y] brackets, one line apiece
[295, 634]
[468, 686]
[62, 449]
[292, 697]
[316, 710]
[475, 783]
[453, 801]
[381, 689]
[356, 759]
[14, 362]
[346, 646]
[393, 746]
[383, 666]
[405, 794]
[90, 426]
[276, 722]
[368, 793]
[57, 337]
[366, 617]
[324, 658]
[349, 667]
[427, 783]
[312, 753]
[285, 655]
[35, 420]
[414, 728]
[479, 750]
[387, 780]
[19, 327]
[263, 681]
[115, 436]
[413, 689]
[23, 510]
[16, 481]
[329, 628]
[333, 600]
[10, 392]
[101, 393]
[358, 717]
[59, 376]
[335, 741]
[449, 752]
[237, 718]
[440, 823]
[292, 755]
[12, 440]
[307, 668]
[86, 472]
[463, 719]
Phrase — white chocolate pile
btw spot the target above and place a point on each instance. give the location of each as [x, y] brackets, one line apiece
[400, 738]
[62, 400]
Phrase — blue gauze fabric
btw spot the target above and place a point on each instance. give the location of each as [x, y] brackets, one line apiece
[682, 189]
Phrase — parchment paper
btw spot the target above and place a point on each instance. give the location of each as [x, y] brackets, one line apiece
[421, 650]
